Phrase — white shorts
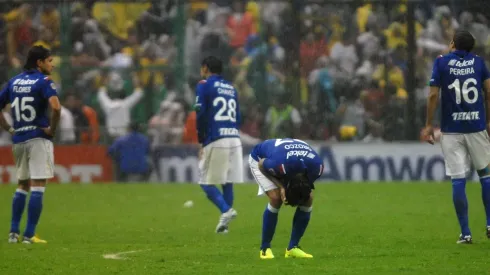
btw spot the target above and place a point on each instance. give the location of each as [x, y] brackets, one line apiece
[34, 159]
[461, 150]
[221, 162]
[264, 183]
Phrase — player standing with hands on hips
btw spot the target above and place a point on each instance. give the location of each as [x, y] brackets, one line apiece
[285, 170]
[462, 77]
[220, 158]
[30, 94]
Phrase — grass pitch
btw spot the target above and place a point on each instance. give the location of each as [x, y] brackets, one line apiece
[391, 228]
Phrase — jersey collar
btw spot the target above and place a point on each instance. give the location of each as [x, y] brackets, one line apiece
[460, 53]
[214, 76]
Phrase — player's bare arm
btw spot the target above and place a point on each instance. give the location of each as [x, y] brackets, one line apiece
[431, 109]
[5, 125]
[274, 179]
[55, 105]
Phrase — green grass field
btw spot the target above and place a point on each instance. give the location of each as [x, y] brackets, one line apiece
[355, 229]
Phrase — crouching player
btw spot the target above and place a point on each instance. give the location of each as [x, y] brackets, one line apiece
[285, 170]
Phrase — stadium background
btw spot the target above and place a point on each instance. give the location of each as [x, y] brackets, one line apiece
[349, 76]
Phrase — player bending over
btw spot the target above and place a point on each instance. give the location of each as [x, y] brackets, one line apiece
[30, 94]
[285, 170]
[462, 76]
[221, 159]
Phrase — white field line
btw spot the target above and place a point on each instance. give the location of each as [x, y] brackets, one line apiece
[119, 255]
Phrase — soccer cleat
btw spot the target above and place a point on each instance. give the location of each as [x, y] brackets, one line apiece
[296, 252]
[34, 239]
[266, 254]
[224, 220]
[14, 238]
[465, 239]
[488, 231]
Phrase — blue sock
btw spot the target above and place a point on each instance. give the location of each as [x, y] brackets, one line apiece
[300, 222]
[269, 223]
[461, 204]
[215, 196]
[18, 205]
[228, 193]
[485, 195]
[34, 210]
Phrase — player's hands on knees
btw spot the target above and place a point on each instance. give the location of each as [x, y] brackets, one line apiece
[428, 134]
[48, 131]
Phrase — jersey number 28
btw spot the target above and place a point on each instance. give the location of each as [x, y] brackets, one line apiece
[465, 90]
[23, 110]
[227, 110]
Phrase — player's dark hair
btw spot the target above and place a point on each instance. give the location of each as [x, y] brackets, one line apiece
[463, 41]
[214, 65]
[36, 53]
[134, 127]
[298, 190]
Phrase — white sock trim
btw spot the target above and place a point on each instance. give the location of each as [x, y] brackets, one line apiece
[272, 209]
[306, 208]
[484, 177]
[38, 189]
[22, 191]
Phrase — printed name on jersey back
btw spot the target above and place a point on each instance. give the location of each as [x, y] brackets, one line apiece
[465, 71]
[224, 88]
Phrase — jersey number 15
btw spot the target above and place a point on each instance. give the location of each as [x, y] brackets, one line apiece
[465, 90]
[23, 110]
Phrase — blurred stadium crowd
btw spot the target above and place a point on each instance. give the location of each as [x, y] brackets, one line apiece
[122, 60]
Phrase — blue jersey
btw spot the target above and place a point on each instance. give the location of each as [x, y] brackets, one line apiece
[288, 157]
[28, 94]
[218, 113]
[460, 76]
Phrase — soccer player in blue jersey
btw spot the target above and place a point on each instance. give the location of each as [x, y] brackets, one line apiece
[221, 157]
[30, 94]
[285, 170]
[462, 77]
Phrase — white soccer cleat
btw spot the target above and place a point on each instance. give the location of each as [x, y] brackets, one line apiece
[465, 239]
[224, 220]
[13, 238]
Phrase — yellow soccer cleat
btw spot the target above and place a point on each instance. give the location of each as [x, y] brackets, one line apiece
[296, 252]
[34, 239]
[266, 254]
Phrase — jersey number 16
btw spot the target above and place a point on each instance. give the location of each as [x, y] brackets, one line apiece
[465, 90]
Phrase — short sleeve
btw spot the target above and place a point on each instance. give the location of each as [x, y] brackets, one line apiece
[435, 79]
[49, 88]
